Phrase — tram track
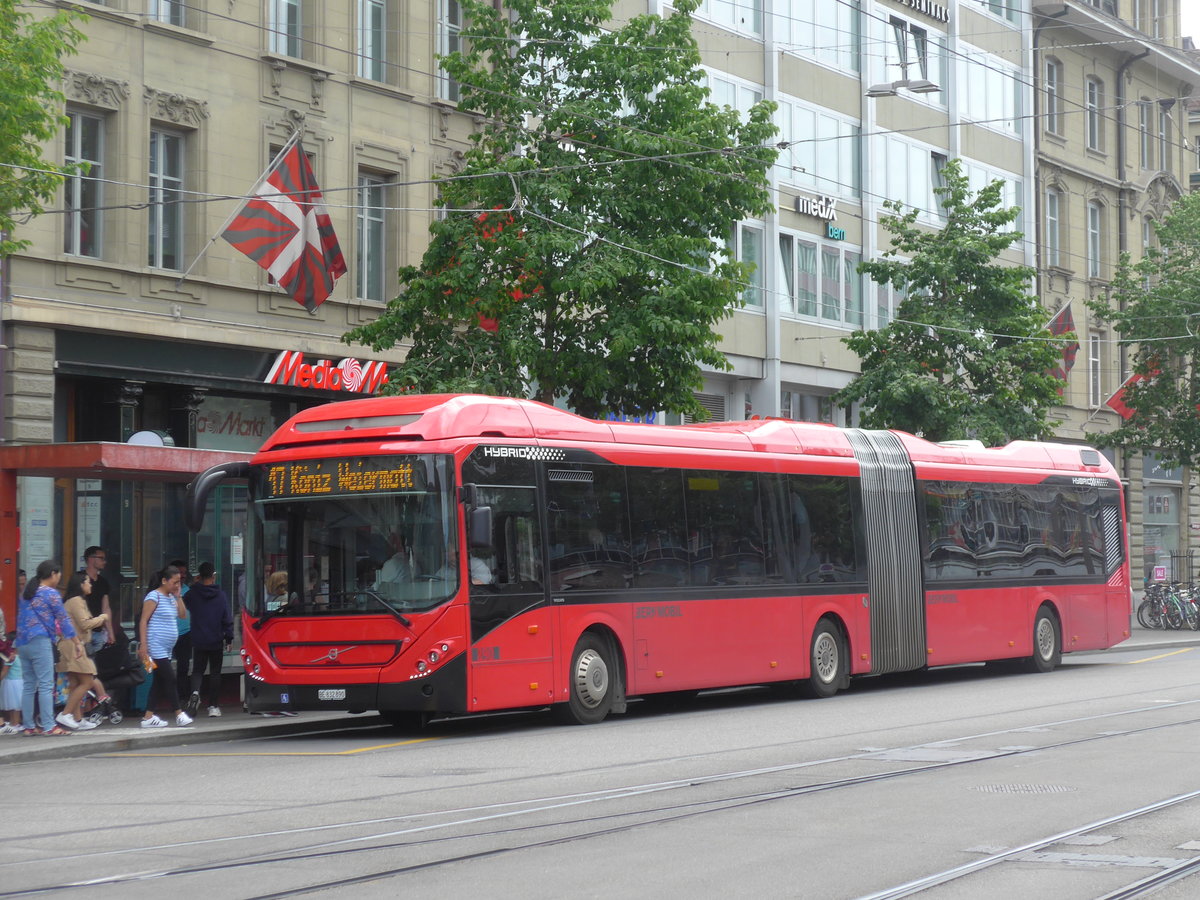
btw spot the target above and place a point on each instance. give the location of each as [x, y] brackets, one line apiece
[1139, 888]
[429, 833]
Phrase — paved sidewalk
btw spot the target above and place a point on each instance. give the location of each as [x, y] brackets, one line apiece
[237, 725]
[130, 736]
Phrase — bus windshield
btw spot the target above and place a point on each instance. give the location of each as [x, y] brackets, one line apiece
[365, 535]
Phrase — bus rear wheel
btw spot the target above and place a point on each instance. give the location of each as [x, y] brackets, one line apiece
[1047, 642]
[827, 661]
[590, 683]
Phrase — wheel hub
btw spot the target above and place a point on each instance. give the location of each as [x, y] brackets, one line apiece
[591, 679]
[825, 657]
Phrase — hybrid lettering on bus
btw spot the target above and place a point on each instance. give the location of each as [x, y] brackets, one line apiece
[457, 554]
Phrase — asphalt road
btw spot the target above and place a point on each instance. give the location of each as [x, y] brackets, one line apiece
[964, 782]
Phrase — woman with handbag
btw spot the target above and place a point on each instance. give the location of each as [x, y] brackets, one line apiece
[39, 612]
[81, 671]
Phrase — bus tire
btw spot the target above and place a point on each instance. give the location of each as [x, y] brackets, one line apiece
[827, 661]
[591, 683]
[1047, 642]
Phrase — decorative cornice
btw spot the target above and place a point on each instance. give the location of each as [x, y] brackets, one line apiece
[175, 107]
[97, 90]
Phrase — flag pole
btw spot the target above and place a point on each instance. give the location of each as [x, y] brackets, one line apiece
[291, 142]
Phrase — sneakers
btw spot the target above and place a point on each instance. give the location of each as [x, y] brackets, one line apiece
[11, 729]
[66, 720]
[183, 719]
[193, 704]
[86, 725]
[214, 712]
[153, 722]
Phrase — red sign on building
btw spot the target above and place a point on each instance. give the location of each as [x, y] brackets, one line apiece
[347, 375]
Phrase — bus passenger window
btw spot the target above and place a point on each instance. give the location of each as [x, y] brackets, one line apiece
[658, 544]
[588, 528]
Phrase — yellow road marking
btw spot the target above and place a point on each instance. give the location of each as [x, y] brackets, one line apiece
[282, 752]
[1134, 662]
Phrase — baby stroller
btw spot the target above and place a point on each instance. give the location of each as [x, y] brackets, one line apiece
[119, 668]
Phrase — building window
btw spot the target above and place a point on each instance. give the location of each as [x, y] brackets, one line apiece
[1053, 94]
[745, 16]
[284, 27]
[824, 152]
[371, 233]
[1094, 111]
[372, 39]
[911, 174]
[749, 249]
[798, 275]
[1144, 139]
[1108, 6]
[911, 53]
[1147, 245]
[449, 38]
[166, 211]
[820, 280]
[804, 407]
[1095, 384]
[1005, 9]
[84, 144]
[1095, 238]
[992, 96]
[169, 11]
[1053, 226]
[825, 32]
[1164, 128]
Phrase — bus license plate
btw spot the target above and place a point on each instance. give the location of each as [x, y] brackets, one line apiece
[331, 694]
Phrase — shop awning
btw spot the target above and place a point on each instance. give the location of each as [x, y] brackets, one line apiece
[120, 462]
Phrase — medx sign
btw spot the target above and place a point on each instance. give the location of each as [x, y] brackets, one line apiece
[347, 375]
[821, 207]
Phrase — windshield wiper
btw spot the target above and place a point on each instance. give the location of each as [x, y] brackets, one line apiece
[270, 614]
[400, 617]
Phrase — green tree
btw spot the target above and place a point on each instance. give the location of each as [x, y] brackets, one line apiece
[601, 189]
[31, 69]
[968, 354]
[1155, 307]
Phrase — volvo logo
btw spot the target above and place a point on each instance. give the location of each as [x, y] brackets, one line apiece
[332, 655]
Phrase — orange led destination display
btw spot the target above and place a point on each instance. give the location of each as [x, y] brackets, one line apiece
[341, 476]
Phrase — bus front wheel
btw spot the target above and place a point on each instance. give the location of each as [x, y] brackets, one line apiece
[827, 660]
[1047, 642]
[591, 683]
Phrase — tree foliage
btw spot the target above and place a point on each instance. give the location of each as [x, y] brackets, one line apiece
[31, 70]
[582, 251]
[1154, 306]
[968, 354]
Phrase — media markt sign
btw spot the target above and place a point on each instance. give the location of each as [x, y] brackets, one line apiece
[822, 208]
[349, 374]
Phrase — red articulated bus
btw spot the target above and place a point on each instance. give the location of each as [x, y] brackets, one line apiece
[456, 554]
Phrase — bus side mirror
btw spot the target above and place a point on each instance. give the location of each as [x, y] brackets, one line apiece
[479, 527]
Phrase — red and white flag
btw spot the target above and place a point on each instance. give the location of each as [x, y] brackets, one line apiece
[286, 229]
[1117, 401]
[1064, 323]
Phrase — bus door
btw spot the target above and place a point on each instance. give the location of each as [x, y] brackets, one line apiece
[511, 660]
